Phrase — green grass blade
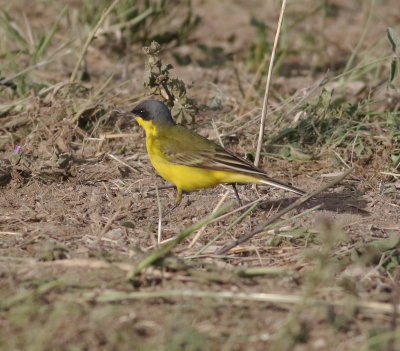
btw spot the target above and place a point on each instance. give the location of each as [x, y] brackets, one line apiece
[236, 221]
[44, 45]
[167, 247]
[6, 21]
[392, 36]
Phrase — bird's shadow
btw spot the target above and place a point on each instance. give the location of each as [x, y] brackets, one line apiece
[343, 202]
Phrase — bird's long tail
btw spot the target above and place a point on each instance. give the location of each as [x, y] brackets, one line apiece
[272, 182]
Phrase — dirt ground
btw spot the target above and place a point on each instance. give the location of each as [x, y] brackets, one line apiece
[79, 208]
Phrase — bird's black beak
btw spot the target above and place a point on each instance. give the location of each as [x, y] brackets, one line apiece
[126, 114]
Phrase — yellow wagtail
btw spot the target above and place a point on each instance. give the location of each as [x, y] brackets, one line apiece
[190, 161]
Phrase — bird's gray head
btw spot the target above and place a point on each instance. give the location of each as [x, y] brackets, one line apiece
[153, 110]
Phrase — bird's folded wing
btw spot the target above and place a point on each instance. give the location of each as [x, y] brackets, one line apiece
[195, 151]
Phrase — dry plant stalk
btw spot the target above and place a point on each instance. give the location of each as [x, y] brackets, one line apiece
[201, 231]
[268, 84]
[276, 216]
[117, 296]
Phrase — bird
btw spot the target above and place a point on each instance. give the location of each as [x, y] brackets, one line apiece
[191, 161]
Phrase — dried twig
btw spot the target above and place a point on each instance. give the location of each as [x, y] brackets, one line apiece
[108, 225]
[117, 296]
[266, 96]
[201, 231]
[279, 214]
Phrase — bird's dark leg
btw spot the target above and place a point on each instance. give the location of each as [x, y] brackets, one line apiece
[168, 211]
[237, 194]
[177, 203]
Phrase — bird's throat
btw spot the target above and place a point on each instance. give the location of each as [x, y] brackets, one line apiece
[148, 126]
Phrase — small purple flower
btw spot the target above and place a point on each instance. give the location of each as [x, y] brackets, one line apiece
[18, 149]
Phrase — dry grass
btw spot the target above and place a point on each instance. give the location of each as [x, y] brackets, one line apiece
[80, 263]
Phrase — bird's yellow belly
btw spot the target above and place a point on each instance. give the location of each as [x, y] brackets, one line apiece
[186, 178]
[192, 178]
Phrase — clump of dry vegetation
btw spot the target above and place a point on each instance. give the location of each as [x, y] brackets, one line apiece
[83, 263]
